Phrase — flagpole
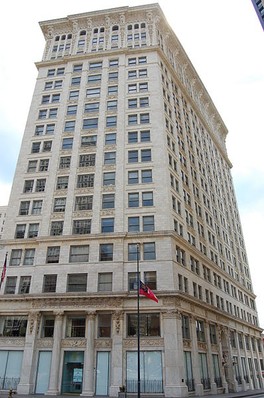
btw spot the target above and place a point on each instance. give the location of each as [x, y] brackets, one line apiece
[138, 321]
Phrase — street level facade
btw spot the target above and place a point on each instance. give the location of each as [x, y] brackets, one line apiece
[124, 155]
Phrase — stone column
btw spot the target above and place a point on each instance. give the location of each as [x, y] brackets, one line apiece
[239, 364]
[195, 359]
[117, 378]
[26, 384]
[54, 388]
[210, 358]
[173, 355]
[261, 380]
[251, 387]
[221, 331]
[88, 372]
[254, 370]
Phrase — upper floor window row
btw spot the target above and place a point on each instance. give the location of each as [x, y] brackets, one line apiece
[53, 84]
[56, 72]
[63, 37]
[137, 60]
[137, 26]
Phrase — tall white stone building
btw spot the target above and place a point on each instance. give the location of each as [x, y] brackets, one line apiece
[124, 146]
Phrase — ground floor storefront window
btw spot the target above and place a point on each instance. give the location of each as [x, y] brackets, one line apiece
[102, 373]
[150, 371]
[43, 372]
[10, 368]
[72, 375]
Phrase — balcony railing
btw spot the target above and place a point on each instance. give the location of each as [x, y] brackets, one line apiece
[218, 382]
[206, 383]
[146, 386]
[7, 383]
[190, 384]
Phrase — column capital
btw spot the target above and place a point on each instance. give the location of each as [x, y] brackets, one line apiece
[91, 315]
[34, 318]
[58, 314]
[171, 313]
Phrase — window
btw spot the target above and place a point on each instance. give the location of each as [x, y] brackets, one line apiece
[73, 95]
[132, 281]
[28, 186]
[147, 198]
[15, 259]
[67, 143]
[149, 325]
[112, 90]
[32, 166]
[43, 165]
[112, 105]
[75, 327]
[47, 146]
[77, 283]
[33, 230]
[24, 208]
[132, 137]
[109, 178]
[213, 338]
[132, 119]
[81, 227]
[133, 199]
[69, 125]
[35, 147]
[77, 68]
[104, 325]
[10, 287]
[14, 326]
[133, 224]
[42, 114]
[108, 201]
[113, 63]
[143, 102]
[109, 158]
[93, 92]
[29, 257]
[85, 180]
[146, 155]
[105, 282]
[91, 107]
[20, 231]
[110, 139]
[53, 113]
[48, 323]
[94, 78]
[111, 121]
[36, 207]
[88, 140]
[95, 65]
[56, 228]
[149, 251]
[185, 327]
[83, 203]
[79, 254]
[106, 252]
[90, 123]
[40, 185]
[150, 279]
[53, 254]
[62, 182]
[132, 252]
[133, 177]
[200, 333]
[65, 162]
[71, 109]
[144, 118]
[87, 160]
[24, 284]
[132, 156]
[76, 81]
[148, 223]
[107, 225]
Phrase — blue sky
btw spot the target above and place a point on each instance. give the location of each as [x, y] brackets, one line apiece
[224, 41]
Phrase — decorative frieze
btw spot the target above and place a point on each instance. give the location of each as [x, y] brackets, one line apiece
[132, 343]
[73, 343]
[103, 343]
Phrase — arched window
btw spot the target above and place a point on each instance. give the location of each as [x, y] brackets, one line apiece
[129, 27]
[63, 37]
[95, 30]
[101, 30]
[82, 32]
[115, 27]
[143, 25]
[69, 36]
[57, 38]
[136, 26]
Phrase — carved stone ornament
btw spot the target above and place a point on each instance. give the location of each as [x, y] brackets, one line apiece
[202, 346]
[72, 343]
[34, 319]
[80, 303]
[7, 342]
[89, 24]
[45, 343]
[132, 343]
[187, 343]
[117, 317]
[103, 343]
[171, 314]
[91, 315]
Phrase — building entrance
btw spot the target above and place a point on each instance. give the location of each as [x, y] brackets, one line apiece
[72, 376]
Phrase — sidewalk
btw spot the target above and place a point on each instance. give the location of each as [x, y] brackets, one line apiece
[240, 394]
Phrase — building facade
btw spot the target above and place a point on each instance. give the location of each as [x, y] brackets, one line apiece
[2, 219]
[259, 8]
[124, 149]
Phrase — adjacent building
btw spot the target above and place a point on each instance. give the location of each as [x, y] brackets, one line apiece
[259, 8]
[124, 154]
[2, 219]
